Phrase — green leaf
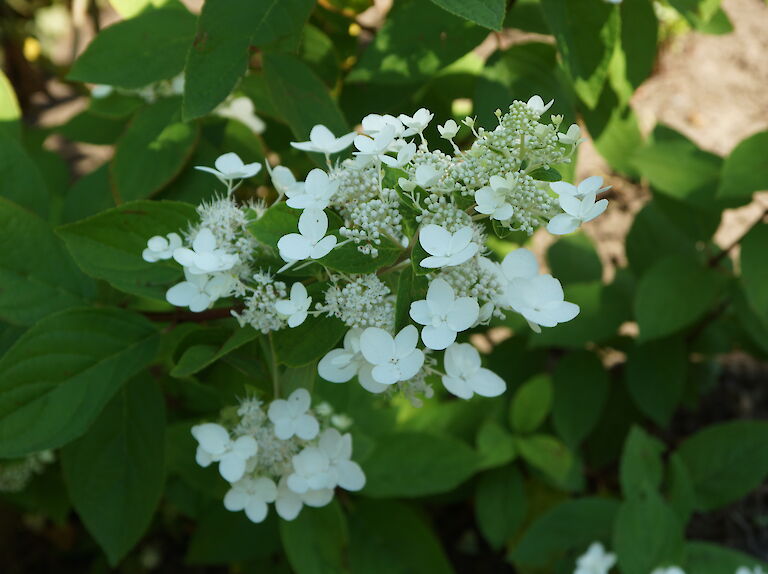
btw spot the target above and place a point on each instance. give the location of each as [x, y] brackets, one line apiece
[495, 445]
[500, 504]
[531, 403]
[109, 245]
[726, 461]
[197, 357]
[91, 128]
[697, 12]
[37, 275]
[655, 376]
[349, 259]
[570, 526]
[639, 37]
[302, 345]
[417, 40]
[547, 454]
[410, 287]
[707, 558]
[486, 13]
[300, 97]
[387, 537]
[10, 113]
[116, 471]
[60, 374]
[20, 179]
[673, 294]
[152, 151]
[131, 8]
[586, 35]
[754, 272]
[573, 259]
[137, 52]
[680, 491]
[647, 535]
[641, 466]
[581, 388]
[314, 542]
[745, 170]
[89, 195]
[417, 464]
[277, 221]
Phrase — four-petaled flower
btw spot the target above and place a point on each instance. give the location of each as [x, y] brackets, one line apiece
[393, 358]
[465, 375]
[443, 314]
[374, 123]
[312, 470]
[338, 449]
[251, 495]
[340, 365]
[314, 193]
[540, 300]
[310, 242]
[595, 560]
[290, 416]
[448, 130]
[572, 136]
[215, 445]
[284, 181]
[417, 123]
[404, 156]
[295, 308]
[205, 256]
[577, 211]
[160, 248]
[322, 140]
[446, 249]
[425, 177]
[492, 199]
[375, 146]
[229, 167]
[537, 105]
[198, 292]
[593, 184]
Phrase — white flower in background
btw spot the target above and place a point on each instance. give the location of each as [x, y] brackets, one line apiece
[242, 109]
[341, 365]
[595, 560]
[251, 495]
[215, 445]
[577, 211]
[417, 123]
[747, 570]
[284, 181]
[393, 358]
[338, 449]
[161, 248]
[229, 167]
[537, 105]
[311, 241]
[322, 140]
[404, 156]
[613, 1]
[593, 184]
[290, 416]
[446, 249]
[572, 136]
[448, 130]
[315, 193]
[312, 470]
[376, 146]
[492, 199]
[100, 91]
[669, 570]
[540, 300]
[443, 315]
[465, 375]
[295, 308]
[205, 255]
[375, 123]
[199, 292]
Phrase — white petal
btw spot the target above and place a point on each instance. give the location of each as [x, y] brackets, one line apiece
[235, 499]
[411, 364]
[294, 247]
[460, 240]
[571, 204]
[386, 374]
[182, 294]
[317, 498]
[323, 247]
[486, 383]
[520, 263]
[297, 319]
[365, 377]
[596, 210]
[406, 340]
[332, 370]
[313, 223]
[351, 476]
[434, 239]
[231, 467]
[435, 262]
[211, 437]
[440, 295]
[307, 427]
[563, 224]
[590, 185]
[377, 345]
[457, 386]
[228, 163]
[245, 447]
[463, 314]
[437, 338]
[256, 510]
[421, 313]
[563, 188]
[464, 255]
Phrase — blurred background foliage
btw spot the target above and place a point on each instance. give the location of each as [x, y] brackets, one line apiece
[640, 424]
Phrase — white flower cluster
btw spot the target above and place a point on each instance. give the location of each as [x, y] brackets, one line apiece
[16, 474]
[433, 209]
[288, 455]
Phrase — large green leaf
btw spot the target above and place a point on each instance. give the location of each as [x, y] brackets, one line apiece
[655, 376]
[137, 52]
[754, 271]
[59, 375]
[531, 404]
[89, 195]
[152, 151]
[547, 454]
[20, 179]
[416, 464]
[641, 469]
[108, 245]
[115, 472]
[586, 35]
[487, 13]
[301, 98]
[726, 461]
[309, 341]
[573, 259]
[416, 41]
[200, 354]
[387, 537]
[500, 504]
[707, 558]
[673, 294]
[315, 541]
[37, 274]
[745, 169]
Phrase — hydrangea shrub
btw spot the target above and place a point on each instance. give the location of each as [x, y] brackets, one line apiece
[301, 320]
